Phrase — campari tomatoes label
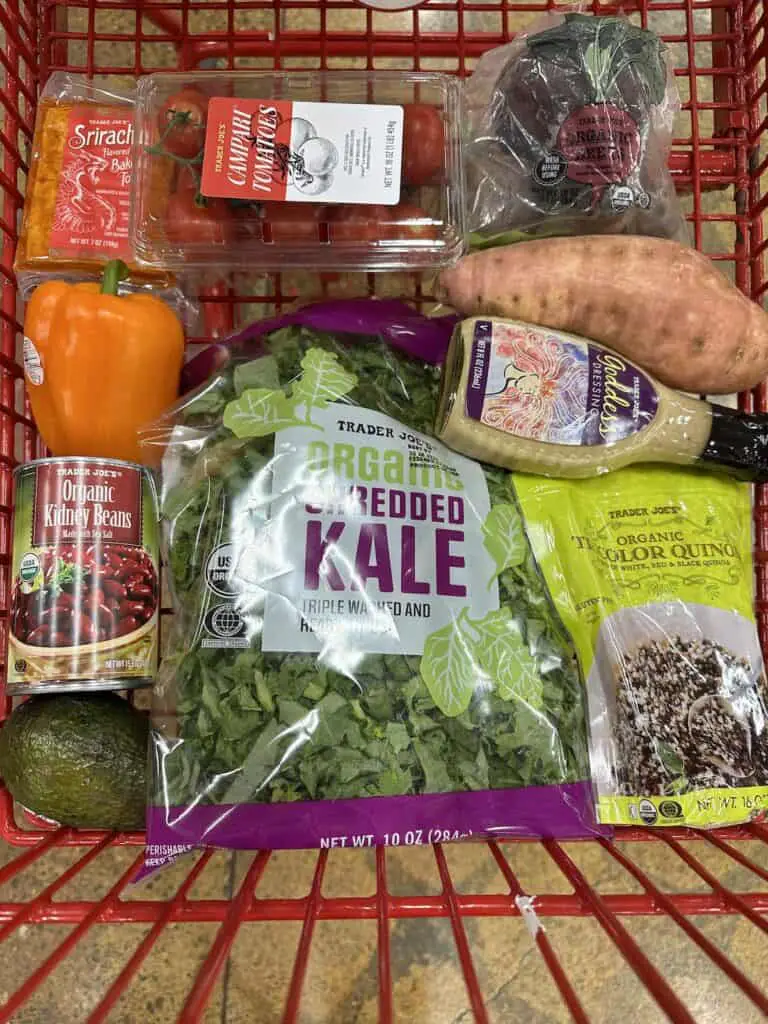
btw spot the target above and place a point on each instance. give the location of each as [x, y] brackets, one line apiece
[93, 196]
[277, 150]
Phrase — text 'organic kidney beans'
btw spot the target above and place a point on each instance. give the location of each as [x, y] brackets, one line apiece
[85, 594]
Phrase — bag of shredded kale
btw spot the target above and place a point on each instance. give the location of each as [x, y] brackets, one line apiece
[651, 571]
[364, 651]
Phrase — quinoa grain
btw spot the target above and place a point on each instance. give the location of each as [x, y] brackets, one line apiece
[689, 715]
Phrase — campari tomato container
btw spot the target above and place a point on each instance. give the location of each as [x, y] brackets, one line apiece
[325, 170]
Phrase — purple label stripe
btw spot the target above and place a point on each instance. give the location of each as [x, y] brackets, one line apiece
[478, 368]
[557, 812]
[620, 401]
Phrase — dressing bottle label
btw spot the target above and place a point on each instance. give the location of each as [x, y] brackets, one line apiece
[547, 386]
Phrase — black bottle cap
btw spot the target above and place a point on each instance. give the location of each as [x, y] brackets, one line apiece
[739, 440]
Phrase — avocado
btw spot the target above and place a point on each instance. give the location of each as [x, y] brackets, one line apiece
[79, 759]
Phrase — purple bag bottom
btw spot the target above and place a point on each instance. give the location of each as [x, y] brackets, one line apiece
[554, 812]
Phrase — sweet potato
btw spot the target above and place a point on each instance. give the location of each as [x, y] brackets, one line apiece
[662, 305]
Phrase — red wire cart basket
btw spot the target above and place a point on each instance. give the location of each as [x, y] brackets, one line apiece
[658, 925]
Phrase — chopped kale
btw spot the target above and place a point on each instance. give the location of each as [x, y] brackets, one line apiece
[242, 725]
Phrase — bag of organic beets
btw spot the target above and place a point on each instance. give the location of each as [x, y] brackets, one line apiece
[569, 133]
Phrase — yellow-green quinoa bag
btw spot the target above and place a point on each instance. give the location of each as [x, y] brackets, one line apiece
[651, 572]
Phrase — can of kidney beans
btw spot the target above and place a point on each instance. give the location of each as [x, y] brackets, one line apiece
[85, 594]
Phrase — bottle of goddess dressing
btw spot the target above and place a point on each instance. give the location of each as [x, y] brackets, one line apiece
[537, 400]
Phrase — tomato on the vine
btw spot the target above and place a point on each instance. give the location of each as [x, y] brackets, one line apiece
[187, 179]
[357, 223]
[192, 219]
[408, 222]
[423, 143]
[181, 123]
[291, 222]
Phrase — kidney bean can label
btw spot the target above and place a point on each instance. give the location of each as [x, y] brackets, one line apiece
[85, 591]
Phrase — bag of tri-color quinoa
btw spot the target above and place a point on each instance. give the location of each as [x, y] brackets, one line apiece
[651, 572]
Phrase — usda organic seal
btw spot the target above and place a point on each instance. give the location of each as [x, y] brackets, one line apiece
[29, 567]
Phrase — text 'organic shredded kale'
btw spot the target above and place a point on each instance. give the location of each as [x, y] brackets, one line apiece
[360, 625]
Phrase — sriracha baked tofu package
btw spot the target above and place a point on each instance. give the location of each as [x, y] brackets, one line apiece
[269, 169]
[651, 570]
[364, 652]
[78, 194]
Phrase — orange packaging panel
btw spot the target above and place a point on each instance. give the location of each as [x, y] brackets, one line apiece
[78, 195]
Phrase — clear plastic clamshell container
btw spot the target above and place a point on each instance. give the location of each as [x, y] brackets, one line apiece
[326, 170]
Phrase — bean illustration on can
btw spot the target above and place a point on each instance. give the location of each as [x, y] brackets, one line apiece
[85, 593]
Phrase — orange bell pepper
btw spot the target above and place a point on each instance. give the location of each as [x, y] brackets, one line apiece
[99, 366]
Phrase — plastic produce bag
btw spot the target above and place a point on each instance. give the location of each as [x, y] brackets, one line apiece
[651, 571]
[569, 133]
[186, 308]
[364, 652]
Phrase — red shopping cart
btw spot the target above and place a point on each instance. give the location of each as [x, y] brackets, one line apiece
[676, 881]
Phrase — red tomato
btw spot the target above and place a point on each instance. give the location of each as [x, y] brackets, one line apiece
[357, 223]
[193, 220]
[218, 316]
[291, 222]
[423, 143]
[187, 179]
[181, 123]
[407, 222]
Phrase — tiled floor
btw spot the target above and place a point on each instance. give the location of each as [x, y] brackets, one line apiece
[341, 981]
